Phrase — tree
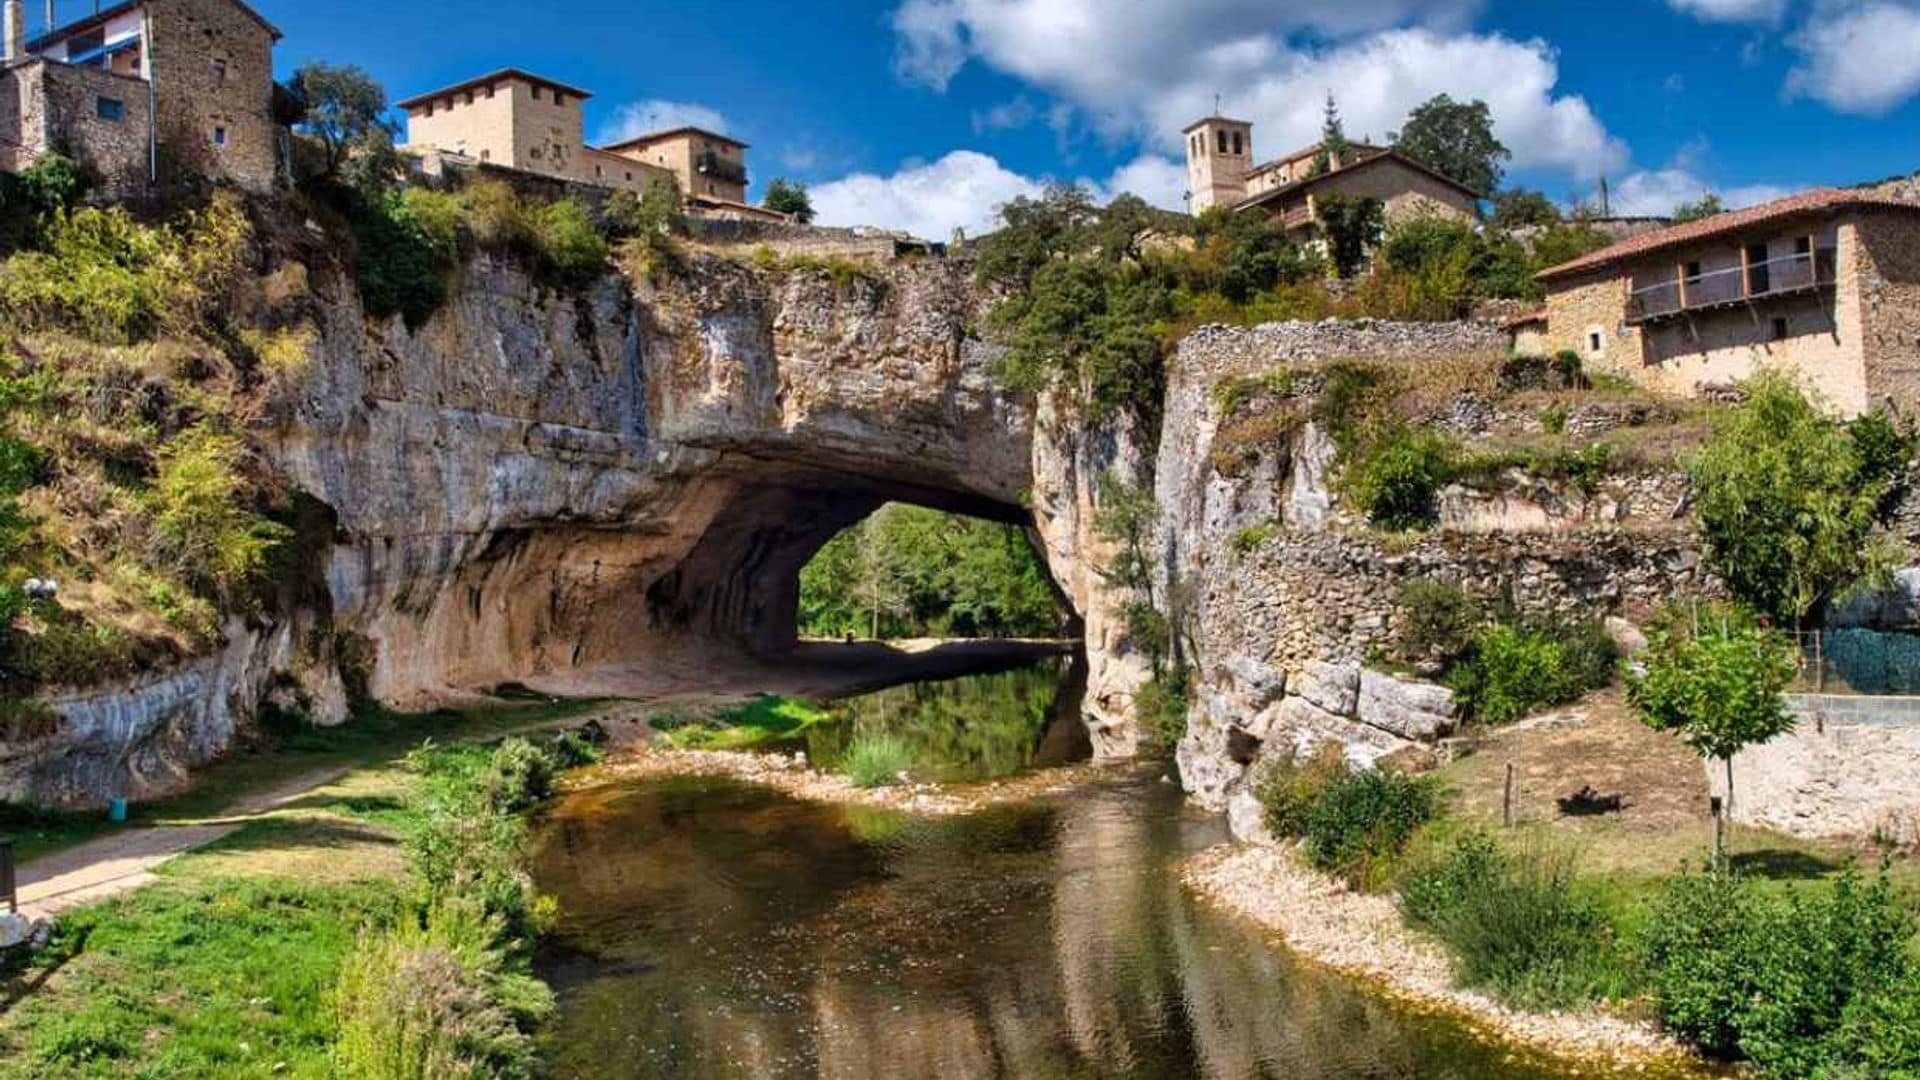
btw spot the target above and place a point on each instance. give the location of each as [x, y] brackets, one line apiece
[1789, 505]
[1353, 228]
[1034, 232]
[790, 197]
[1705, 206]
[1718, 686]
[1127, 517]
[1456, 139]
[1519, 208]
[344, 108]
[1334, 145]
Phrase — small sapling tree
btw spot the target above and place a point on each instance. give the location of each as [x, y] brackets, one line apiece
[1716, 682]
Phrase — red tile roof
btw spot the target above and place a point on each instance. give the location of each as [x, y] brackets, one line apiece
[1368, 162]
[1815, 201]
[502, 75]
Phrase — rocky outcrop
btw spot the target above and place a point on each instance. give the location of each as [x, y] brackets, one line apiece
[1291, 596]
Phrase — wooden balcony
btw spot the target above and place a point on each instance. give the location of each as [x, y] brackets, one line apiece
[1785, 275]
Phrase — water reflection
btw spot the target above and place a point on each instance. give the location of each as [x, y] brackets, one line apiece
[976, 728]
[712, 929]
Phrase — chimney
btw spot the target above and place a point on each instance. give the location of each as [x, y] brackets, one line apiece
[16, 18]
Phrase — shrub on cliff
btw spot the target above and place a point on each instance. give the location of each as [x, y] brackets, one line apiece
[405, 246]
[1397, 477]
[1518, 670]
[203, 515]
[1351, 823]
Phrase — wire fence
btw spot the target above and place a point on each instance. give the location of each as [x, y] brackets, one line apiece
[1853, 661]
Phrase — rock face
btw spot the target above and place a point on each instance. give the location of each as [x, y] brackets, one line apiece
[1290, 597]
[554, 487]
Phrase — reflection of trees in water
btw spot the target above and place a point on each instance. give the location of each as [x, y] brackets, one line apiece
[728, 931]
[977, 728]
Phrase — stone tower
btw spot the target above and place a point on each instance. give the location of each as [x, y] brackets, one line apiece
[1219, 156]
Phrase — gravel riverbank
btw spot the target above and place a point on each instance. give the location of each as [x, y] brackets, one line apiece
[1362, 936]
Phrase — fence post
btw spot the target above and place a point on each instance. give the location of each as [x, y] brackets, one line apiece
[7, 890]
[1506, 801]
[1819, 662]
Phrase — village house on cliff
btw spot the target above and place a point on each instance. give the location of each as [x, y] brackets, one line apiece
[139, 88]
[1824, 285]
[513, 119]
[1221, 173]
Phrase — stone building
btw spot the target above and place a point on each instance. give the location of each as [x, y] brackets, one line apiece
[1221, 172]
[513, 119]
[1824, 285]
[143, 88]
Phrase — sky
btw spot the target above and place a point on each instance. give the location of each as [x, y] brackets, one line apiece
[929, 114]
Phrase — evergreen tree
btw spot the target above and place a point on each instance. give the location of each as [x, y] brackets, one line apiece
[790, 197]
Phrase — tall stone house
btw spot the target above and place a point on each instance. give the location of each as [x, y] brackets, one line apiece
[141, 88]
[1824, 285]
[513, 119]
[1221, 173]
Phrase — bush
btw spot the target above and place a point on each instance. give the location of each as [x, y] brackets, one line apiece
[1397, 479]
[1289, 785]
[435, 1000]
[877, 760]
[571, 248]
[1516, 924]
[1437, 621]
[1516, 671]
[1802, 986]
[405, 247]
[1161, 707]
[519, 775]
[202, 514]
[1360, 822]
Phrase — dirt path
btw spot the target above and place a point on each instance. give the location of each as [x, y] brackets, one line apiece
[125, 861]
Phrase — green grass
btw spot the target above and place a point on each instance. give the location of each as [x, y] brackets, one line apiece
[877, 760]
[205, 978]
[766, 719]
[372, 738]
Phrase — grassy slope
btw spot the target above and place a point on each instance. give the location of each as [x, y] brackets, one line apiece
[222, 968]
[766, 719]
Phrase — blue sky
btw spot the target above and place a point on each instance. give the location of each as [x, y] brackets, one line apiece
[925, 114]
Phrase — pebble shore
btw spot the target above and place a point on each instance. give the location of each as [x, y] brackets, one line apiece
[1362, 936]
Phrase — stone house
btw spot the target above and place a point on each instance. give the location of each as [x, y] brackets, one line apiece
[1220, 172]
[140, 88]
[513, 119]
[1824, 285]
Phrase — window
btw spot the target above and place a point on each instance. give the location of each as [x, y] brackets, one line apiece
[219, 136]
[220, 72]
[466, 98]
[1759, 270]
[1693, 273]
[536, 93]
[559, 99]
[629, 174]
[1222, 141]
[489, 90]
[486, 155]
[1236, 143]
[1780, 329]
[1596, 342]
[598, 171]
[111, 109]
[534, 153]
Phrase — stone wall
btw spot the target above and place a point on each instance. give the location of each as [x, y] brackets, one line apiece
[212, 68]
[58, 107]
[1848, 770]
[1886, 290]
[1289, 596]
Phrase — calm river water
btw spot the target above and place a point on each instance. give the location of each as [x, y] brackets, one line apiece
[717, 929]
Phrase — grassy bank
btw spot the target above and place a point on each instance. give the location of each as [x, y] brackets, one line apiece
[403, 872]
[275, 761]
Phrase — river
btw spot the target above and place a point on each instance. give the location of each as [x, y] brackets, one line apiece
[712, 928]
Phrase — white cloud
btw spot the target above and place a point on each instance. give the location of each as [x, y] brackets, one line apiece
[1767, 11]
[965, 189]
[1146, 68]
[1006, 116]
[1655, 192]
[1858, 57]
[638, 118]
[1160, 181]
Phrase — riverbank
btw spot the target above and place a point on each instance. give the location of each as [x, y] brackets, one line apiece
[1362, 936]
[794, 776]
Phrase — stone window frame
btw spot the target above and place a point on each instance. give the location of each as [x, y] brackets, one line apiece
[1596, 341]
[219, 71]
[220, 135]
[110, 110]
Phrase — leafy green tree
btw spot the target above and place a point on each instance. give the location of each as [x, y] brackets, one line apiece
[1705, 206]
[345, 108]
[1566, 242]
[1789, 505]
[1248, 254]
[1519, 208]
[790, 197]
[1717, 685]
[1455, 138]
[1353, 228]
[1035, 232]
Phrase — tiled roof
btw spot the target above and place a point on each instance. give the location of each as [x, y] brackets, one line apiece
[1815, 201]
[1367, 162]
[502, 75]
[656, 136]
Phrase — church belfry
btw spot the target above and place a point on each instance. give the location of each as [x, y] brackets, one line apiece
[1219, 156]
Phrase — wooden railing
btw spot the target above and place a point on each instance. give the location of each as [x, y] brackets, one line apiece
[1783, 275]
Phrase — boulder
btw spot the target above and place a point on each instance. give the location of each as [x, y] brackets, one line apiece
[1258, 684]
[1247, 820]
[1333, 688]
[1405, 707]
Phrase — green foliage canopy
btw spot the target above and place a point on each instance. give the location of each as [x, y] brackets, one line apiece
[344, 107]
[790, 197]
[1455, 138]
[1718, 687]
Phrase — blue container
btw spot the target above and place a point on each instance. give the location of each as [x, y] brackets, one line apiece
[117, 810]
